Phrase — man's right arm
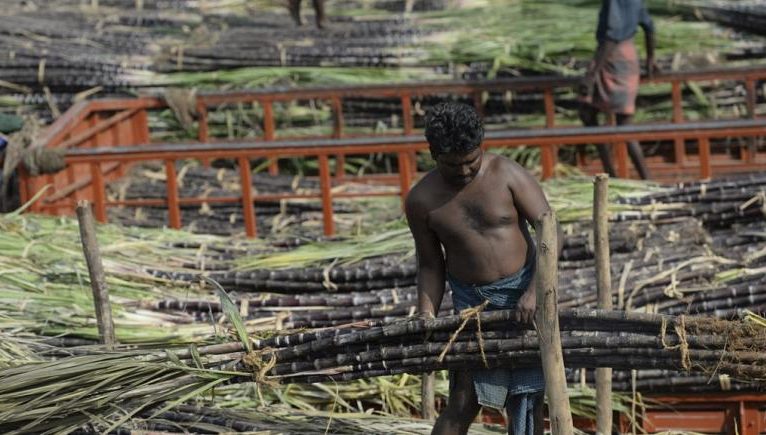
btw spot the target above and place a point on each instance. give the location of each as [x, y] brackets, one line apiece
[430, 260]
[646, 23]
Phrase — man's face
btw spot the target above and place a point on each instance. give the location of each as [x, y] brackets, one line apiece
[459, 169]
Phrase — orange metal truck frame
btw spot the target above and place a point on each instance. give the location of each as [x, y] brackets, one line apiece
[403, 146]
[118, 122]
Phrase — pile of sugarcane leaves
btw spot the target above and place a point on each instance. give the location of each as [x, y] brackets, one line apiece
[106, 389]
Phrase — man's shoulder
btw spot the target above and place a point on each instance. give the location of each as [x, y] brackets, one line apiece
[421, 194]
[504, 164]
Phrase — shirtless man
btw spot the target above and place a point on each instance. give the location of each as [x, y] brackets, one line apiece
[476, 207]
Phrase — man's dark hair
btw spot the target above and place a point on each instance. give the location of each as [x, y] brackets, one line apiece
[453, 128]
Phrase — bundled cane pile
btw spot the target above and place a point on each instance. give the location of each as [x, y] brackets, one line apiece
[140, 380]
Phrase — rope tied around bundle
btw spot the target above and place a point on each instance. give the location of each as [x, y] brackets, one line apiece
[683, 344]
[254, 360]
[466, 315]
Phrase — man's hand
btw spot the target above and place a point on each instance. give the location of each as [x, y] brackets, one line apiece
[426, 315]
[652, 68]
[525, 308]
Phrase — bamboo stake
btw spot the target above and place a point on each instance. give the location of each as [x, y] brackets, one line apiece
[604, 291]
[96, 272]
[427, 396]
[547, 324]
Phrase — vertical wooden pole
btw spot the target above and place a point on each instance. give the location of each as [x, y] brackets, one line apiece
[547, 325]
[427, 396]
[604, 291]
[96, 272]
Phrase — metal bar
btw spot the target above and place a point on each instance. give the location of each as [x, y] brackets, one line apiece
[705, 169]
[268, 120]
[464, 87]
[98, 128]
[325, 184]
[575, 135]
[61, 127]
[99, 195]
[550, 108]
[407, 121]
[113, 104]
[78, 184]
[141, 126]
[269, 132]
[248, 209]
[548, 161]
[621, 156]
[171, 184]
[405, 175]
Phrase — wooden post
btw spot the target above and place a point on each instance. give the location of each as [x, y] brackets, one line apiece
[427, 396]
[547, 325]
[604, 291]
[96, 272]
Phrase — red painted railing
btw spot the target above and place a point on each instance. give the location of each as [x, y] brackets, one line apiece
[403, 147]
[124, 122]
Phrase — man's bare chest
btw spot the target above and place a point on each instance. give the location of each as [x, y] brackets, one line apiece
[484, 212]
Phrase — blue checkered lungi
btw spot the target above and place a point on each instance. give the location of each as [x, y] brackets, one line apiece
[518, 390]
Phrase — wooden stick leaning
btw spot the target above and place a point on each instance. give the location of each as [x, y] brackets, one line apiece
[604, 292]
[427, 396]
[96, 272]
[547, 325]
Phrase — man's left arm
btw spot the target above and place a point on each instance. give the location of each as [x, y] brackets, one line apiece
[531, 203]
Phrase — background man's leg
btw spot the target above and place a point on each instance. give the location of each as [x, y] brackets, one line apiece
[634, 149]
[462, 406]
[319, 11]
[295, 11]
[589, 117]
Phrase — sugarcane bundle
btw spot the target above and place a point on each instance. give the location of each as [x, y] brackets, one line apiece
[72, 391]
[186, 419]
